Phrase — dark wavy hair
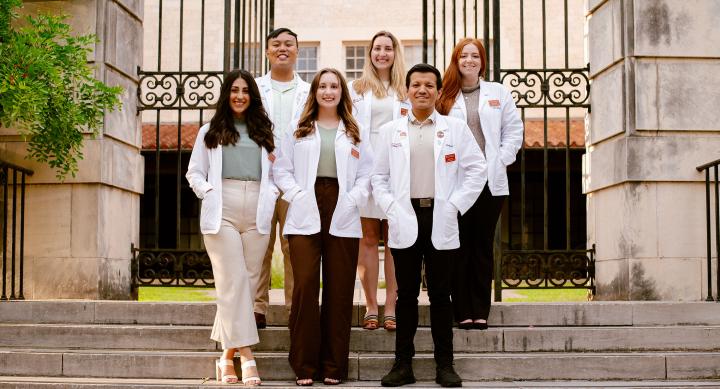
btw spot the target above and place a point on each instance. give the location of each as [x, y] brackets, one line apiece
[306, 124]
[222, 125]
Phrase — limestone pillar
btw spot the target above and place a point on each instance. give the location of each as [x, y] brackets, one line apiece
[655, 70]
[79, 232]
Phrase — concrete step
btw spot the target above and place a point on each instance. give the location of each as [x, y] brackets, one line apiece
[500, 339]
[369, 367]
[503, 314]
[123, 383]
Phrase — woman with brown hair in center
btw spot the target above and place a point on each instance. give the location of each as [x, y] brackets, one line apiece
[323, 170]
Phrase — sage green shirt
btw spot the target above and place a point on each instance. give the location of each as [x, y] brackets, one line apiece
[327, 167]
[241, 161]
[283, 95]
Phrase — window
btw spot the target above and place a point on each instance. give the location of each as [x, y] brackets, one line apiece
[354, 61]
[307, 62]
[414, 53]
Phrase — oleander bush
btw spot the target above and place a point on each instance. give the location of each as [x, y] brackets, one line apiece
[48, 91]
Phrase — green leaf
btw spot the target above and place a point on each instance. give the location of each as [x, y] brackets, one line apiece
[47, 88]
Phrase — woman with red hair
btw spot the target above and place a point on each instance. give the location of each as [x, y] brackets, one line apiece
[490, 112]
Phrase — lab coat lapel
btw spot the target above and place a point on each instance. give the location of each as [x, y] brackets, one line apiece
[460, 102]
[440, 137]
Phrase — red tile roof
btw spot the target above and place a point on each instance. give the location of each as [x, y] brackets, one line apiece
[534, 134]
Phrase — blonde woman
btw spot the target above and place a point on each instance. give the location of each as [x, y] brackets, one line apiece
[379, 96]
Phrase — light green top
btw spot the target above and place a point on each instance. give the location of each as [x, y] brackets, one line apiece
[241, 161]
[283, 95]
[327, 167]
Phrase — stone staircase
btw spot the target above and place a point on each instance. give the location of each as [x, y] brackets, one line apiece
[114, 344]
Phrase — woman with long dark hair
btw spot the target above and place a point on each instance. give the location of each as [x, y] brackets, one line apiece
[230, 171]
[379, 96]
[323, 170]
[490, 112]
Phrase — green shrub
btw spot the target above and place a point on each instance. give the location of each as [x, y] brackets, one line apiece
[47, 88]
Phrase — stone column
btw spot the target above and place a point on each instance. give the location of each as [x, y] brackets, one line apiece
[79, 232]
[655, 70]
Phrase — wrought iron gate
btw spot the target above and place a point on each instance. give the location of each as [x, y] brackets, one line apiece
[178, 89]
[540, 239]
[541, 236]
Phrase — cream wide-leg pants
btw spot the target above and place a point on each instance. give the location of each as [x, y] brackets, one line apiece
[236, 253]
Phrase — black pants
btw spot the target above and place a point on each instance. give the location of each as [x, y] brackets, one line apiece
[473, 273]
[438, 270]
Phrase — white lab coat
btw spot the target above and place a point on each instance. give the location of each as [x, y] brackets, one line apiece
[502, 128]
[295, 172]
[205, 173]
[302, 90]
[362, 109]
[454, 149]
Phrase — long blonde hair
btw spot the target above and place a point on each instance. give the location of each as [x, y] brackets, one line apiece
[306, 124]
[370, 80]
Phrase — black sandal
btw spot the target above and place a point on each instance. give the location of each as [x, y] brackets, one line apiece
[298, 383]
[479, 325]
[468, 325]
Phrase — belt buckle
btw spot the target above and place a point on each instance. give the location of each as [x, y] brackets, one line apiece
[425, 203]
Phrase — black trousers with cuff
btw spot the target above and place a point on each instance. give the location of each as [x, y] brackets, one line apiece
[473, 272]
[438, 271]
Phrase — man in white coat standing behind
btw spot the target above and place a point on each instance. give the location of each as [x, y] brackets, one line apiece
[415, 181]
[283, 95]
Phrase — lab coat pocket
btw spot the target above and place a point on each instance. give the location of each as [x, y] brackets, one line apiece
[402, 227]
[303, 213]
[452, 230]
[210, 211]
[393, 223]
[265, 209]
[346, 218]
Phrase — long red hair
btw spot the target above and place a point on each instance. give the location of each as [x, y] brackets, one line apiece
[452, 80]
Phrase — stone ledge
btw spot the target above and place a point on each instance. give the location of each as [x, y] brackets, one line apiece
[595, 313]
[624, 160]
[106, 161]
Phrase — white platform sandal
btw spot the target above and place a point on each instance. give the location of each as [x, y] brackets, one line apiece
[253, 380]
[224, 378]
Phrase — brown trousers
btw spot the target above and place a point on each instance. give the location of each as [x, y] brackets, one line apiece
[320, 338]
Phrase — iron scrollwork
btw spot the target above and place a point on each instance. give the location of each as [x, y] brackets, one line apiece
[538, 88]
[175, 90]
[529, 269]
[171, 267]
